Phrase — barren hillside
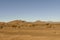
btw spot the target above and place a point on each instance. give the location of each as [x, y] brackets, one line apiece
[29, 25]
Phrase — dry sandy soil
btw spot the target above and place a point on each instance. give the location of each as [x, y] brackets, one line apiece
[45, 34]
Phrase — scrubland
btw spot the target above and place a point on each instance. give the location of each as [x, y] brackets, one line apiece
[22, 30]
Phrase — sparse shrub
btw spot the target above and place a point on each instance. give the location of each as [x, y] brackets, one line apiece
[14, 26]
[48, 25]
[33, 25]
[1, 27]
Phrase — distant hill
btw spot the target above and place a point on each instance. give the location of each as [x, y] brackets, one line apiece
[29, 25]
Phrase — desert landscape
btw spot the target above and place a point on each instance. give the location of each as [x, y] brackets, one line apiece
[29, 19]
[23, 30]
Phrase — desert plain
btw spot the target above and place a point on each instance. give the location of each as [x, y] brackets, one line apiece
[23, 30]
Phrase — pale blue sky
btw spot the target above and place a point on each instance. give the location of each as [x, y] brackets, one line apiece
[30, 10]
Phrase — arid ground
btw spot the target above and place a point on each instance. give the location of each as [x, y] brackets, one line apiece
[22, 30]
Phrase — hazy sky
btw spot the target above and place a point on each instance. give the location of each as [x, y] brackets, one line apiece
[30, 10]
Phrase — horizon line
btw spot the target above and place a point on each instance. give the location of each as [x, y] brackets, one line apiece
[31, 20]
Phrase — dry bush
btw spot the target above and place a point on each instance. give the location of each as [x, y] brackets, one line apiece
[2, 25]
